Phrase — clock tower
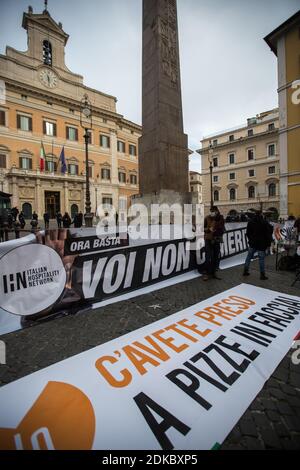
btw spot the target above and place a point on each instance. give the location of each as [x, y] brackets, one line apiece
[46, 42]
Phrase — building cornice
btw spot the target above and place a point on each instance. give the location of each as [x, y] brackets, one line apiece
[241, 140]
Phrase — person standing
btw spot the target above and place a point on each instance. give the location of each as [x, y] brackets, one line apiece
[214, 227]
[46, 220]
[66, 220]
[35, 216]
[22, 220]
[259, 233]
[58, 219]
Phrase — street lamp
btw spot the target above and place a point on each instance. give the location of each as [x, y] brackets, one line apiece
[210, 159]
[86, 124]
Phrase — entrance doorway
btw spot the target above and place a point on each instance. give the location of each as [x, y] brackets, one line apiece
[52, 203]
[27, 210]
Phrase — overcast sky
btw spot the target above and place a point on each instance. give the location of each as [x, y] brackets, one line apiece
[228, 72]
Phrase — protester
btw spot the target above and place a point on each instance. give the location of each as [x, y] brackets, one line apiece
[66, 220]
[46, 220]
[17, 228]
[14, 213]
[297, 225]
[214, 228]
[78, 218]
[22, 220]
[34, 225]
[259, 233]
[35, 216]
[58, 219]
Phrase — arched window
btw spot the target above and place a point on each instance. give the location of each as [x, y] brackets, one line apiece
[74, 210]
[47, 52]
[216, 195]
[232, 194]
[251, 192]
[272, 189]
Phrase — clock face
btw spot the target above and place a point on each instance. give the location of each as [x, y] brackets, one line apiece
[48, 78]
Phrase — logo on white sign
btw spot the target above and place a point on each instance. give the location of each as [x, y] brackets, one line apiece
[31, 280]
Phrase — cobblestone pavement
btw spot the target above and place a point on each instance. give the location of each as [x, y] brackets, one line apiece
[273, 419]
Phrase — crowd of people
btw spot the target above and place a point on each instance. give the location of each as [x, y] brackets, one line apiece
[14, 221]
[259, 233]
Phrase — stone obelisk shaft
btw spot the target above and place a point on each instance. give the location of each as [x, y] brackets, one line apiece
[163, 154]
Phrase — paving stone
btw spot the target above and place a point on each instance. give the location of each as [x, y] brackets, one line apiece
[292, 423]
[295, 379]
[270, 439]
[276, 393]
[253, 444]
[281, 430]
[248, 427]
[273, 416]
[261, 420]
[284, 408]
[269, 404]
[287, 389]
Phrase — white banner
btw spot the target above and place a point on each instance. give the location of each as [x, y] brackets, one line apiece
[180, 383]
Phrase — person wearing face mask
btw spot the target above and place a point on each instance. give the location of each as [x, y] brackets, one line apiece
[214, 228]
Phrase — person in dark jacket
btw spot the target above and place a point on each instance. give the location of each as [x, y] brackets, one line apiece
[46, 220]
[58, 219]
[214, 227]
[22, 220]
[78, 218]
[259, 234]
[66, 220]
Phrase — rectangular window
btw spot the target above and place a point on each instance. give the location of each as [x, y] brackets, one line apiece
[250, 153]
[251, 173]
[107, 200]
[50, 166]
[271, 170]
[231, 158]
[133, 179]
[105, 173]
[215, 179]
[90, 172]
[132, 150]
[231, 138]
[24, 123]
[49, 128]
[121, 146]
[215, 161]
[25, 163]
[73, 169]
[271, 126]
[104, 141]
[2, 117]
[271, 150]
[122, 177]
[232, 176]
[72, 133]
[250, 132]
[2, 161]
[215, 142]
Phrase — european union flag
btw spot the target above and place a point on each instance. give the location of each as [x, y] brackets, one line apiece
[63, 161]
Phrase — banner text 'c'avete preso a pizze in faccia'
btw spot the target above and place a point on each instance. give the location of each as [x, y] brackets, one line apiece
[182, 382]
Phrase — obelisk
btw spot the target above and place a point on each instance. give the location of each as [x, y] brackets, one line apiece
[163, 148]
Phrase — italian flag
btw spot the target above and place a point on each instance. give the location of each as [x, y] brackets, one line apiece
[42, 157]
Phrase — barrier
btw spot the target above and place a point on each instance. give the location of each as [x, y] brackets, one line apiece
[66, 269]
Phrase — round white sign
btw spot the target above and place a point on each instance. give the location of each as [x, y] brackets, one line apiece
[32, 278]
